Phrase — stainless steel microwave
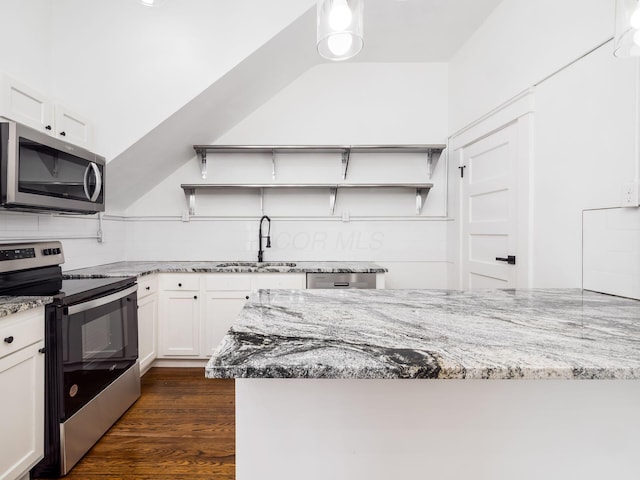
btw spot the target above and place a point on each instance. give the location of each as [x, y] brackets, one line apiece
[42, 173]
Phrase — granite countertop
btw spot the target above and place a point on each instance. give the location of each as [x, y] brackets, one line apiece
[496, 334]
[137, 269]
[10, 304]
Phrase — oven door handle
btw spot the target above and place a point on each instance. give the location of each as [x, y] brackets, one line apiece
[98, 302]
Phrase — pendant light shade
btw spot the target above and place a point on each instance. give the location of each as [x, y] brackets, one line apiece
[340, 28]
[627, 39]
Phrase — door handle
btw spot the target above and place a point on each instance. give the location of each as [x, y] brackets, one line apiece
[510, 259]
[96, 172]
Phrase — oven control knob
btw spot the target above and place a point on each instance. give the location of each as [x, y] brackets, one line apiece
[9, 339]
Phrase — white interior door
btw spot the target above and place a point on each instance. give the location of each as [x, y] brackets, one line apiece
[489, 211]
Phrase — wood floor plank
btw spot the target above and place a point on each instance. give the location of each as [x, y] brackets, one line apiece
[182, 427]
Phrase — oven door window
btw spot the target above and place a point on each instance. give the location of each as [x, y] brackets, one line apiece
[99, 345]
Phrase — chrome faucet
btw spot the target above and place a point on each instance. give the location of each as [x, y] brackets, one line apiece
[260, 237]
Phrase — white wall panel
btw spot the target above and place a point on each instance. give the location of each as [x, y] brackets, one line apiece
[611, 252]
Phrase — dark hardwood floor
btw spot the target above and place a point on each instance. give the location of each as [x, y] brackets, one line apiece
[182, 427]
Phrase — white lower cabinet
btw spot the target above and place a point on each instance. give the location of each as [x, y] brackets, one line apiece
[147, 322]
[179, 316]
[191, 328]
[221, 309]
[22, 397]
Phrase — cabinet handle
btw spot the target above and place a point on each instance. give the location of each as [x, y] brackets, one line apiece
[63, 134]
[246, 297]
[48, 127]
[195, 297]
[42, 350]
[179, 284]
[147, 288]
[9, 339]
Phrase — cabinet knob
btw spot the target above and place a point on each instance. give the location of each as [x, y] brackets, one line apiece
[9, 339]
[48, 127]
[42, 350]
[63, 134]
[246, 297]
[179, 284]
[195, 297]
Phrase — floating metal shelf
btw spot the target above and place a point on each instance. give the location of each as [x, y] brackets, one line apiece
[422, 189]
[345, 151]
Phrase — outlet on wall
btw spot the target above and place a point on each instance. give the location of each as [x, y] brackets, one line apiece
[630, 197]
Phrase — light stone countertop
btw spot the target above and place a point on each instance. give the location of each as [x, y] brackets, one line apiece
[137, 269]
[11, 304]
[447, 334]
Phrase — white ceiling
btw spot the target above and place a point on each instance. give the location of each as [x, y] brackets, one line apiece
[419, 30]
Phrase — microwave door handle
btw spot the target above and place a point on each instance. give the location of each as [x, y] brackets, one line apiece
[96, 172]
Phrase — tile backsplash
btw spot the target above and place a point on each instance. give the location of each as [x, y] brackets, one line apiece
[611, 251]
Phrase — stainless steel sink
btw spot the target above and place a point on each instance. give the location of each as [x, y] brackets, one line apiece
[255, 264]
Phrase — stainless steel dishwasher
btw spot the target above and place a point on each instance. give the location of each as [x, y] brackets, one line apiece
[341, 280]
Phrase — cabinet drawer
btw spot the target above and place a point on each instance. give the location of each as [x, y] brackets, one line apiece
[147, 285]
[279, 280]
[180, 282]
[20, 330]
[229, 282]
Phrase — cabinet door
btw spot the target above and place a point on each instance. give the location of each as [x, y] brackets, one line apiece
[179, 324]
[222, 308]
[72, 127]
[22, 402]
[22, 104]
[147, 331]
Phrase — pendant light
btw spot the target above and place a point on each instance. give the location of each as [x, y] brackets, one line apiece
[627, 39]
[339, 28]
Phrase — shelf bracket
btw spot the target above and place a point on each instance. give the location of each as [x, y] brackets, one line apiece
[203, 163]
[421, 196]
[345, 162]
[333, 191]
[190, 194]
[273, 164]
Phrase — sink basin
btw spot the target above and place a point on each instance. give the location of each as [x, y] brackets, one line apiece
[255, 264]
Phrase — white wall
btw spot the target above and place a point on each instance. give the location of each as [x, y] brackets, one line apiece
[585, 150]
[76, 232]
[25, 32]
[586, 125]
[128, 67]
[329, 104]
[522, 42]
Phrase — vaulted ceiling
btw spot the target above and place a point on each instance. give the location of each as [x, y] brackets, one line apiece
[395, 31]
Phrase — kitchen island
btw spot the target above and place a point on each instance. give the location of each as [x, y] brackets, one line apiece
[498, 384]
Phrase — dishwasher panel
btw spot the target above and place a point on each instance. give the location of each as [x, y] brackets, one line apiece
[341, 280]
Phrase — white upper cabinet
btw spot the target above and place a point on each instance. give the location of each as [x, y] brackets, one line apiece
[72, 127]
[21, 103]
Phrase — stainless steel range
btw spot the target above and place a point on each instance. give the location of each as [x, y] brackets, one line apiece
[91, 349]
